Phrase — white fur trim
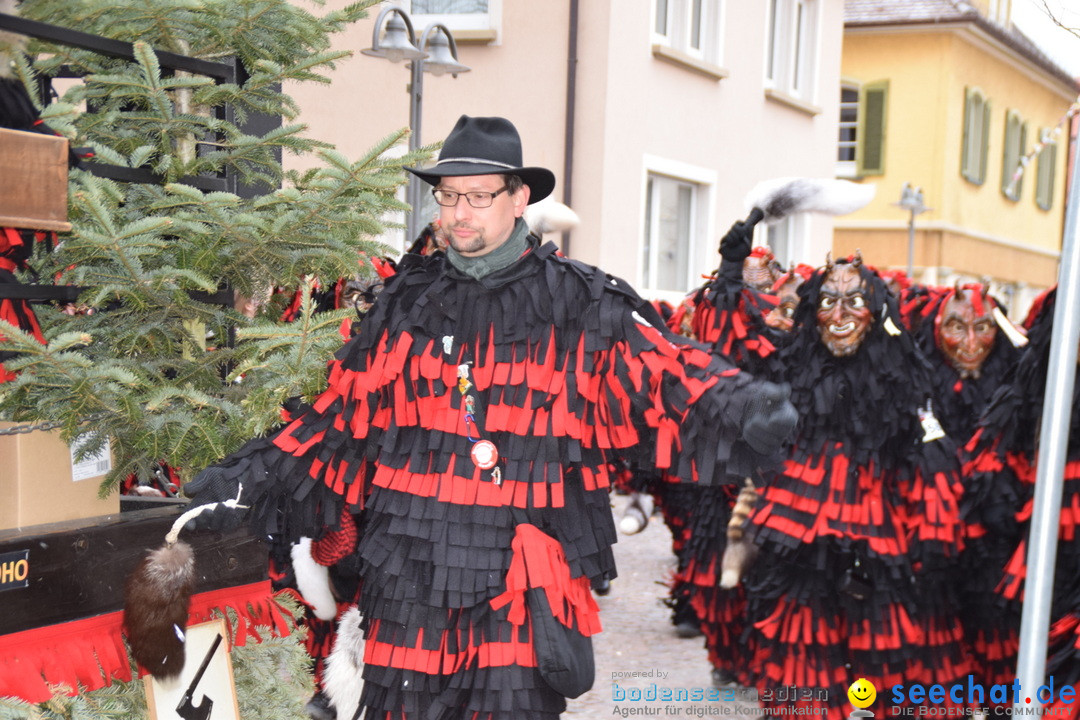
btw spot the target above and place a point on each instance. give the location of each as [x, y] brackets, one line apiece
[829, 196]
[550, 216]
[342, 672]
[313, 581]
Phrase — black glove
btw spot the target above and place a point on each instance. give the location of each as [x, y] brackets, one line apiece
[736, 244]
[212, 486]
[769, 418]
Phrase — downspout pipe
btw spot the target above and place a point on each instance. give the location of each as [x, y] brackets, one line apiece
[571, 112]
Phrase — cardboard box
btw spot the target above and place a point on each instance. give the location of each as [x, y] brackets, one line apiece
[40, 482]
[33, 181]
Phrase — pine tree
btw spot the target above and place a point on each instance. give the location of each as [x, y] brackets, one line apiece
[149, 368]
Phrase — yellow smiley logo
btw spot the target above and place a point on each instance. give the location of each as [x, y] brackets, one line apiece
[862, 693]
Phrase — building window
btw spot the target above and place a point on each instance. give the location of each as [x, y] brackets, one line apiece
[861, 143]
[691, 26]
[675, 242]
[669, 232]
[791, 64]
[464, 15]
[976, 140]
[874, 107]
[1015, 148]
[848, 143]
[786, 239]
[1046, 171]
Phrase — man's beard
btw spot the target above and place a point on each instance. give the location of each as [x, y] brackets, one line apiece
[473, 244]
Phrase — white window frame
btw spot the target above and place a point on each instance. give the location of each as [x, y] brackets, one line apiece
[678, 27]
[478, 22]
[787, 239]
[793, 38]
[848, 168]
[698, 254]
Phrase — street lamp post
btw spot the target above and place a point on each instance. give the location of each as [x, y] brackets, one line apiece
[399, 44]
[911, 199]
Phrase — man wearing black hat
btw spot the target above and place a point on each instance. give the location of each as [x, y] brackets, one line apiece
[472, 423]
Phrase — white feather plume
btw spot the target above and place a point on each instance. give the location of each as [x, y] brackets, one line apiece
[780, 197]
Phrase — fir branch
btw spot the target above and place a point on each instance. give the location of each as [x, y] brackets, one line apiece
[152, 364]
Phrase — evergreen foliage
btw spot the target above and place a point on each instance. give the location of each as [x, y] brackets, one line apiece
[149, 368]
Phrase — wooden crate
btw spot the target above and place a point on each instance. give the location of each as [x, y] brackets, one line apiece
[33, 181]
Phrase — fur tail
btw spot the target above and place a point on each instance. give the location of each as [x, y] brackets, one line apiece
[550, 216]
[780, 197]
[740, 551]
[156, 599]
[313, 581]
[342, 682]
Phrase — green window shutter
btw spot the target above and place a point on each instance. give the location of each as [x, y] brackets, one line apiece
[975, 136]
[871, 133]
[1021, 151]
[1012, 153]
[1047, 172]
[1009, 156]
[984, 148]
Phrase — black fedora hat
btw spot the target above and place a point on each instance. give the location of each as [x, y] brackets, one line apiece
[486, 146]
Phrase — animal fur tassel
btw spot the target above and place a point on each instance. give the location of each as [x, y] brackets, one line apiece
[740, 551]
[156, 599]
[157, 596]
[550, 216]
[778, 198]
[344, 668]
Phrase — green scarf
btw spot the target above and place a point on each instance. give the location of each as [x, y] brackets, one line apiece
[504, 256]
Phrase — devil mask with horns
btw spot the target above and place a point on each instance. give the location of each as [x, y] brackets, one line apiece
[965, 330]
[843, 314]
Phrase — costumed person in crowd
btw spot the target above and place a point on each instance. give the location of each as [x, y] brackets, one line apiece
[471, 425]
[786, 291]
[971, 346]
[1000, 478]
[730, 313]
[858, 536]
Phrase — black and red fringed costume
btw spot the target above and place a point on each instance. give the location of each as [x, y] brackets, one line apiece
[729, 316]
[960, 401]
[1001, 473]
[858, 533]
[569, 369]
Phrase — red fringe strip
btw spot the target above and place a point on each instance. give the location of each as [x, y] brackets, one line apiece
[89, 654]
[539, 562]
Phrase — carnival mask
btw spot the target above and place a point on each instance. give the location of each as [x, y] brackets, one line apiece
[965, 335]
[760, 271]
[782, 317]
[843, 313]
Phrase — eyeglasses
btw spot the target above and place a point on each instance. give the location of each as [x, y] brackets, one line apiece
[478, 199]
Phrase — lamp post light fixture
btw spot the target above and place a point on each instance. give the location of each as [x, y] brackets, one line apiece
[911, 199]
[436, 53]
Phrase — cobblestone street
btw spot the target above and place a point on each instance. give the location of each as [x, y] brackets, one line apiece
[638, 648]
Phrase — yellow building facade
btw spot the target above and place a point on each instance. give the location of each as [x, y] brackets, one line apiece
[951, 104]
